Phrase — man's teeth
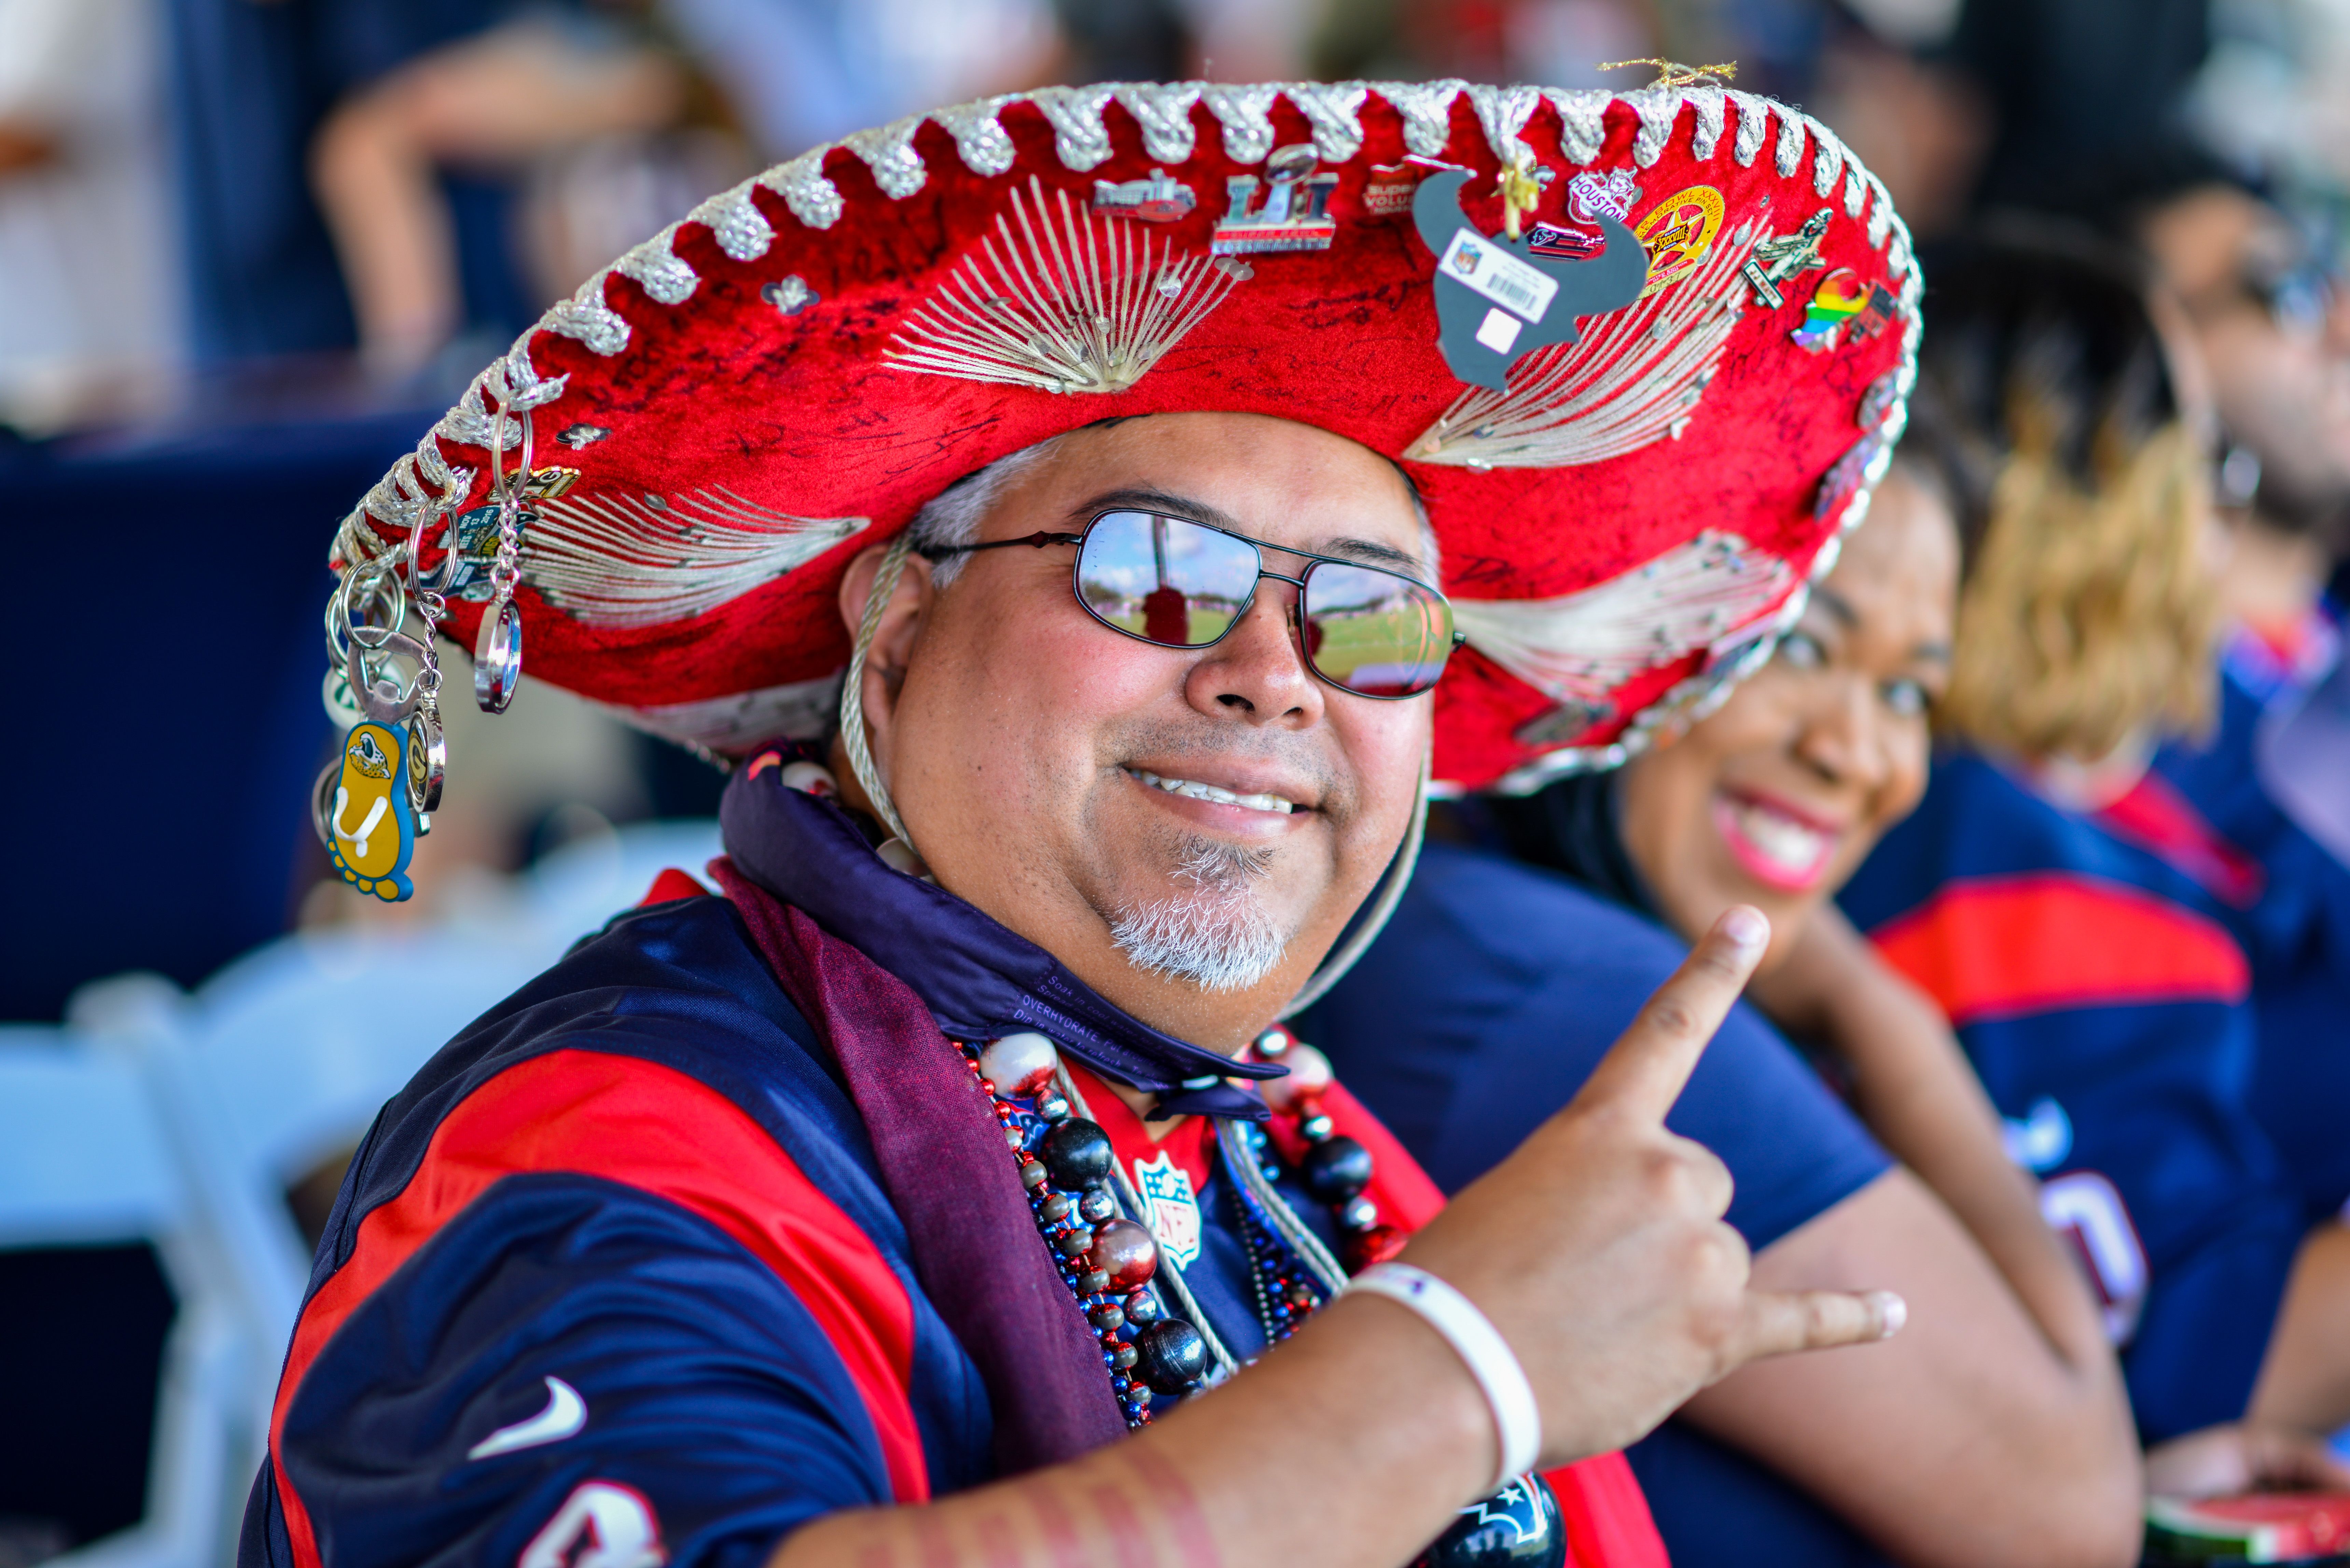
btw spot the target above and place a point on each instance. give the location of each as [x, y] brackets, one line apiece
[1782, 839]
[1197, 790]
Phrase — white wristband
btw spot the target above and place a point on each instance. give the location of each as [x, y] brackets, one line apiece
[1517, 1421]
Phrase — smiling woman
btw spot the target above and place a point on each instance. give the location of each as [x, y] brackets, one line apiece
[1489, 999]
[1776, 798]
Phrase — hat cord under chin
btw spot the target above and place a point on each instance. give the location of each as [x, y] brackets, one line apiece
[860, 762]
[852, 690]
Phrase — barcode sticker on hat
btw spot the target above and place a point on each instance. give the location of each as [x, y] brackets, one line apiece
[1497, 275]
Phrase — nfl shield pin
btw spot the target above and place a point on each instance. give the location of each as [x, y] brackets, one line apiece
[1165, 1189]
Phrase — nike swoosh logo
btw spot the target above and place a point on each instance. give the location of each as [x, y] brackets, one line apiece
[564, 1414]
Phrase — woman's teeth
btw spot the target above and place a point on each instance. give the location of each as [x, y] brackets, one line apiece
[1779, 838]
[1197, 790]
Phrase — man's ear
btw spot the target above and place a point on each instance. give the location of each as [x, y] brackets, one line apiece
[902, 619]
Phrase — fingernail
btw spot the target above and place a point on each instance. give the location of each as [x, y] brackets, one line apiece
[1892, 1312]
[1746, 927]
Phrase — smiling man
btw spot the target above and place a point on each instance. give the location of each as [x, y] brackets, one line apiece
[913, 1200]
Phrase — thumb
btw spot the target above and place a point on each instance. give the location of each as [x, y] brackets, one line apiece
[1779, 1323]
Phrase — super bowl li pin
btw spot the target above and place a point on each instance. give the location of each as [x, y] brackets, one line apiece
[1290, 212]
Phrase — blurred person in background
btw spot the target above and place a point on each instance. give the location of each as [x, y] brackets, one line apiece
[2050, 892]
[548, 79]
[2000, 1433]
[91, 322]
[2269, 319]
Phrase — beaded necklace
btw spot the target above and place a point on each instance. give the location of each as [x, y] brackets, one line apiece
[1088, 1213]
[1109, 1260]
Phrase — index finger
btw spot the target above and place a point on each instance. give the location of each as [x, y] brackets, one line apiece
[1650, 1063]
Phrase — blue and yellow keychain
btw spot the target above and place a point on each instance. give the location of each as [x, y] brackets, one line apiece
[367, 823]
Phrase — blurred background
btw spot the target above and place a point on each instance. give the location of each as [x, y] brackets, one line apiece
[250, 249]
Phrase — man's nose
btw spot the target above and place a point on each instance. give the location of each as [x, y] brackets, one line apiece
[1258, 672]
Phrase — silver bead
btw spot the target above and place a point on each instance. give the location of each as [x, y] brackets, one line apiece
[1097, 1205]
[1314, 1130]
[1052, 1108]
[1358, 1214]
[1019, 1064]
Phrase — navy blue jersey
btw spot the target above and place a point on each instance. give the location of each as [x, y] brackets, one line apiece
[2296, 928]
[617, 1266]
[1496, 989]
[2103, 1003]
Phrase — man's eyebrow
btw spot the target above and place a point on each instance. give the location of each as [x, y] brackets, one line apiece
[1370, 552]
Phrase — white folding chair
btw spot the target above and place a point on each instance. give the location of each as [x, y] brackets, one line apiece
[286, 1058]
[84, 1159]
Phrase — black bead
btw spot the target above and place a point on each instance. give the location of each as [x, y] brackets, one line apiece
[1078, 1153]
[1170, 1354]
[1517, 1527]
[1335, 1169]
[1097, 1205]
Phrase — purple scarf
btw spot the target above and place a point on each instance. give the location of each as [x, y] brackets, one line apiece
[879, 963]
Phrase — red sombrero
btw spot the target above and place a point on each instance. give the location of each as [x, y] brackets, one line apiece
[1639, 424]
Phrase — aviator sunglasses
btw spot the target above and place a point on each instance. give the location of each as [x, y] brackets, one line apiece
[1175, 583]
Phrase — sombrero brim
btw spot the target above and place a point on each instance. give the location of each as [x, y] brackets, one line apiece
[727, 414]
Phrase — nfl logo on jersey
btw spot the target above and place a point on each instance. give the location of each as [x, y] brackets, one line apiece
[1166, 1189]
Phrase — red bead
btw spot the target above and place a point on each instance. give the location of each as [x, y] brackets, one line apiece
[1361, 1249]
[1125, 1251]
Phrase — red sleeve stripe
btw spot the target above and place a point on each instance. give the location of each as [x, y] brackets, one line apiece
[633, 1121]
[2007, 945]
[1606, 1516]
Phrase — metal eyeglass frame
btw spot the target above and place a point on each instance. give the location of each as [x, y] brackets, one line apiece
[1045, 538]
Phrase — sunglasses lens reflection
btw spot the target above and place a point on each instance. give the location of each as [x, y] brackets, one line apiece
[1163, 579]
[1374, 632]
[1180, 584]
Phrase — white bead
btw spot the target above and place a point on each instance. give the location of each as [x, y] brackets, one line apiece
[1309, 1073]
[1019, 1063]
[811, 778]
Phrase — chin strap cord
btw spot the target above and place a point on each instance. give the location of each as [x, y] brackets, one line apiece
[1333, 968]
[852, 689]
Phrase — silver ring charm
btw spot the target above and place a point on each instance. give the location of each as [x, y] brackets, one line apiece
[428, 763]
[322, 800]
[497, 657]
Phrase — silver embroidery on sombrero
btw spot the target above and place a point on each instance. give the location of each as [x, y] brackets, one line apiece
[646, 560]
[1579, 649]
[1077, 304]
[1632, 380]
